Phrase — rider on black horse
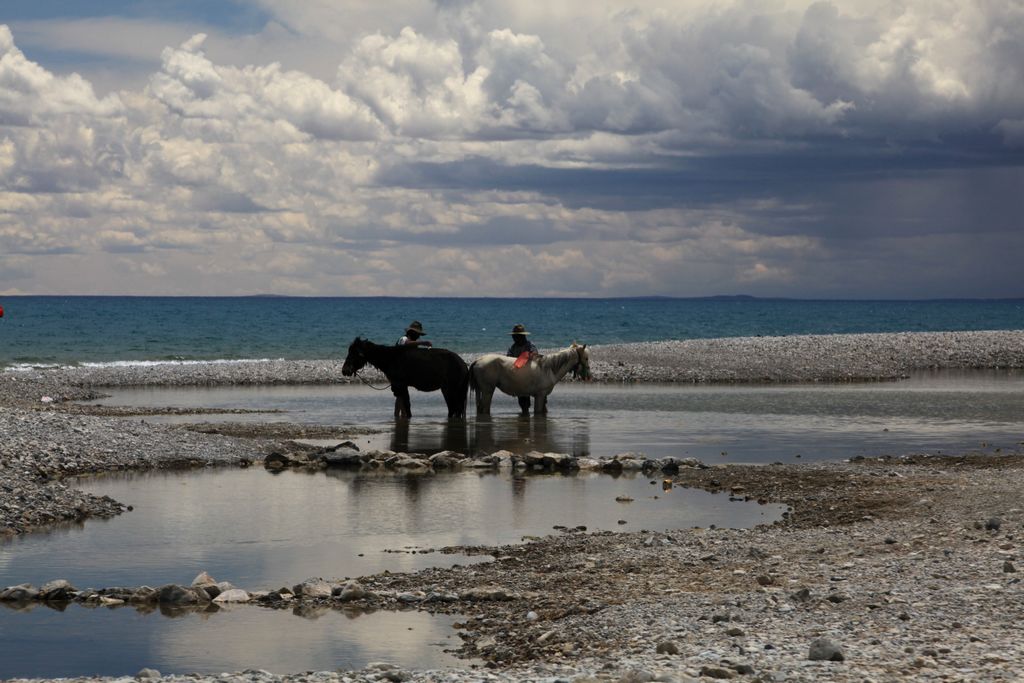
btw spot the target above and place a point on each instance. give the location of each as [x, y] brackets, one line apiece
[412, 336]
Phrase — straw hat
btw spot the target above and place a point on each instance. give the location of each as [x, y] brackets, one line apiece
[417, 327]
[519, 329]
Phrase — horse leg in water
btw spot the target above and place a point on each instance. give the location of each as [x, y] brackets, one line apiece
[540, 405]
[403, 409]
[483, 400]
[524, 405]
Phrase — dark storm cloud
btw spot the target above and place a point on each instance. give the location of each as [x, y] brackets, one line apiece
[500, 230]
[846, 147]
[608, 189]
[51, 180]
[703, 181]
[25, 245]
[222, 200]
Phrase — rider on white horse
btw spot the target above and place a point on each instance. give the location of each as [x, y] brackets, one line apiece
[521, 345]
[524, 377]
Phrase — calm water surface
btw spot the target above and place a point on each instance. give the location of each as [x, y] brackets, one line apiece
[43, 642]
[261, 530]
[948, 412]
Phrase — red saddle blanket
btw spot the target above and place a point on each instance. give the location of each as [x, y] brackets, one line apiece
[522, 360]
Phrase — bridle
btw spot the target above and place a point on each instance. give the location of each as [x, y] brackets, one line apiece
[355, 373]
[581, 370]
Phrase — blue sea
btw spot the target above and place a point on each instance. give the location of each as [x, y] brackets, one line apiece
[68, 330]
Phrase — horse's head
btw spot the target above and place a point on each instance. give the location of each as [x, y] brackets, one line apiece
[356, 358]
[582, 368]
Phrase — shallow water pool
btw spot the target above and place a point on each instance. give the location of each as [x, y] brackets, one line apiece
[949, 412]
[80, 641]
[261, 530]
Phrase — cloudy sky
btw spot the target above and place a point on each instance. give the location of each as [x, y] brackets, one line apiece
[842, 148]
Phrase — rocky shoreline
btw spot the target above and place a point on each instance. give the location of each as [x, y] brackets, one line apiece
[906, 567]
[797, 358]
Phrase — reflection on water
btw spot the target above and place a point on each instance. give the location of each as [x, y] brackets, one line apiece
[948, 411]
[487, 435]
[44, 642]
[260, 530]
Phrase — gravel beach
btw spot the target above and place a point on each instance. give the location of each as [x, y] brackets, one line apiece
[798, 358]
[900, 568]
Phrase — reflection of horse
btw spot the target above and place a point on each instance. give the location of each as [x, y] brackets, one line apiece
[490, 434]
[423, 369]
[537, 378]
[427, 437]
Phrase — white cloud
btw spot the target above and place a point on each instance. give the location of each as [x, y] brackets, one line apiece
[192, 87]
[31, 95]
[602, 148]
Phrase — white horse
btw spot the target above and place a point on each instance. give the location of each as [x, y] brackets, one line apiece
[537, 378]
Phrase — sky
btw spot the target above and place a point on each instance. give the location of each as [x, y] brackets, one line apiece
[832, 149]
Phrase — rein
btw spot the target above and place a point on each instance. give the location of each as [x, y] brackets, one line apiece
[370, 384]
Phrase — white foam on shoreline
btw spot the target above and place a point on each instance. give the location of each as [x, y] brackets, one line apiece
[157, 363]
[27, 367]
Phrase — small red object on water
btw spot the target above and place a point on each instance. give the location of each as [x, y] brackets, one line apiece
[1, 311]
[522, 360]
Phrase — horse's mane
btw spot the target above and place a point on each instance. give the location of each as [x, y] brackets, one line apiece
[558, 359]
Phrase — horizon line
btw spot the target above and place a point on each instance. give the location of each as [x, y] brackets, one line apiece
[670, 297]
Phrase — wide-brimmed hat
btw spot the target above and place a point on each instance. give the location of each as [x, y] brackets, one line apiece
[519, 329]
[417, 327]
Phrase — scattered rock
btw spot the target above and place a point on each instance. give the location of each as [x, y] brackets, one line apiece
[203, 579]
[20, 593]
[824, 649]
[485, 593]
[313, 588]
[232, 595]
[173, 594]
[57, 591]
[352, 590]
[716, 672]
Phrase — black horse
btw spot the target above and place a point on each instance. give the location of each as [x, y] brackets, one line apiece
[423, 369]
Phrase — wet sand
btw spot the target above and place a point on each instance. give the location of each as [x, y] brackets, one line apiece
[907, 566]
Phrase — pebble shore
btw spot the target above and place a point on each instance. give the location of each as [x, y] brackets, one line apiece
[885, 569]
[798, 358]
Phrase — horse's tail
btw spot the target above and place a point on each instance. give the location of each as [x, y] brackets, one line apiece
[467, 382]
[474, 387]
